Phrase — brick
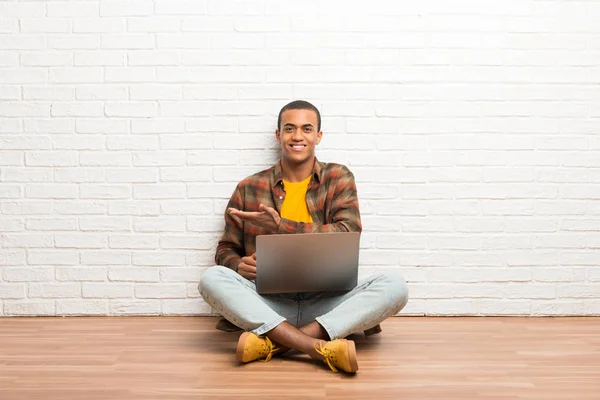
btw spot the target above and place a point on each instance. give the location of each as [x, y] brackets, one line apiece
[158, 158]
[10, 93]
[73, 42]
[8, 224]
[26, 207]
[187, 242]
[29, 307]
[79, 273]
[105, 159]
[78, 142]
[152, 24]
[72, 9]
[77, 75]
[81, 240]
[180, 7]
[99, 58]
[105, 257]
[54, 290]
[103, 223]
[130, 8]
[97, 191]
[10, 191]
[78, 175]
[129, 75]
[134, 274]
[26, 240]
[80, 207]
[158, 258]
[131, 109]
[48, 92]
[137, 208]
[129, 41]
[25, 142]
[12, 291]
[153, 57]
[44, 25]
[105, 290]
[46, 59]
[155, 92]
[81, 307]
[22, 42]
[185, 307]
[102, 92]
[46, 125]
[185, 142]
[135, 307]
[102, 126]
[158, 191]
[132, 142]
[52, 257]
[133, 175]
[157, 125]
[134, 242]
[52, 224]
[51, 191]
[160, 290]
[98, 25]
[189, 174]
[30, 109]
[27, 274]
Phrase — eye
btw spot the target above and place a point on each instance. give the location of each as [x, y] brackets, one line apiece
[308, 129]
[289, 129]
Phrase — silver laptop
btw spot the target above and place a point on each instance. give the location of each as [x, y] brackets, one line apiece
[307, 262]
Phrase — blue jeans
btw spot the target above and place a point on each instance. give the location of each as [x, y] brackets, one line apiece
[340, 313]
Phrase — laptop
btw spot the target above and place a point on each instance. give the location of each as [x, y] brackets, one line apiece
[307, 262]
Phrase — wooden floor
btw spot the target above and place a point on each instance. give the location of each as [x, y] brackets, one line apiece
[413, 358]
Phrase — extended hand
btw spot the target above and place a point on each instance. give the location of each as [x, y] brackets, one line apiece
[267, 217]
[247, 267]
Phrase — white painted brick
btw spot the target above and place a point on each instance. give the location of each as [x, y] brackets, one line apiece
[185, 307]
[129, 41]
[205, 224]
[26, 207]
[26, 240]
[188, 242]
[180, 7]
[188, 174]
[99, 58]
[212, 157]
[54, 290]
[44, 25]
[78, 142]
[78, 175]
[133, 242]
[505, 307]
[578, 290]
[51, 224]
[209, 190]
[160, 158]
[131, 109]
[76, 75]
[107, 290]
[92, 191]
[51, 191]
[559, 275]
[103, 126]
[10, 191]
[81, 307]
[129, 8]
[186, 142]
[48, 92]
[134, 274]
[27, 274]
[508, 207]
[445, 207]
[158, 258]
[105, 159]
[46, 59]
[207, 24]
[211, 125]
[21, 10]
[102, 223]
[72, 9]
[152, 57]
[129, 75]
[236, 7]
[159, 224]
[9, 59]
[580, 225]
[43, 125]
[452, 307]
[80, 273]
[593, 274]
[12, 291]
[80, 207]
[98, 25]
[531, 291]
[52, 257]
[102, 92]
[22, 42]
[12, 158]
[11, 224]
[73, 41]
[158, 191]
[134, 175]
[10, 125]
[14, 109]
[155, 92]
[157, 125]
[557, 308]
[137, 208]
[81, 240]
[29, 307]
[135, 307]
[152, 24]
[187, 274]
[10, 93]
[392, 241]
[105, 257]
[160, 290]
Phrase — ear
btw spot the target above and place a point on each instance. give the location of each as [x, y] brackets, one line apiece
[278, 135]
[319, 136]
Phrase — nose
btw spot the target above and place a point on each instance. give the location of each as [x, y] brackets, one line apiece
[297, 134]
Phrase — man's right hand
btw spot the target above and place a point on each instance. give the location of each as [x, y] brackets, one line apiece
[247, 267]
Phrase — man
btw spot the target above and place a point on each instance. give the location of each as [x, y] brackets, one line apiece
[298, 195]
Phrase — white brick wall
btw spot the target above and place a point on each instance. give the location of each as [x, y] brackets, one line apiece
[473, 129]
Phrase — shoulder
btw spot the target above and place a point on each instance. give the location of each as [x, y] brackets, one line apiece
[334, 171]
[261, 179]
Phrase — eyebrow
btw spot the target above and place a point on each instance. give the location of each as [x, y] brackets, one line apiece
[304, 126]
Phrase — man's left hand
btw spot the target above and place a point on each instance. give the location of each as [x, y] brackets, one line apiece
[266, 217]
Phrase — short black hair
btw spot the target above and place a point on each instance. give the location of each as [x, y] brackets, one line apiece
[300, 105]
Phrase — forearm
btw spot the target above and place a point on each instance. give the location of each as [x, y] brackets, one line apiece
[227, 257]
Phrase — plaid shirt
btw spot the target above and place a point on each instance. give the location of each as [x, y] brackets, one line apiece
[331, 198]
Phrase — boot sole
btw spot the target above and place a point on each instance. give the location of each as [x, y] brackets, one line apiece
[352, 357]
[239, 353]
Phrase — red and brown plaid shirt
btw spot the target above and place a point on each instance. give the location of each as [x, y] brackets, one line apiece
[331, 199]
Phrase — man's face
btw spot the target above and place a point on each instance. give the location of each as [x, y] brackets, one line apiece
[298, 135]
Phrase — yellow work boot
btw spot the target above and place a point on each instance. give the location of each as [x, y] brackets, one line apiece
[251, 347]
[340, 353]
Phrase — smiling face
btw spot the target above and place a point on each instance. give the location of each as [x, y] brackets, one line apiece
[298, 135]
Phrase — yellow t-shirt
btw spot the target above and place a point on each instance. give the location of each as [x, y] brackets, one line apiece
[294, 205]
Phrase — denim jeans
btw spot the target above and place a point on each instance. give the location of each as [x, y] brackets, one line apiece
[340, 313]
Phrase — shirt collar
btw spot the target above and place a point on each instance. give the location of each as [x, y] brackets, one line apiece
[277, 174]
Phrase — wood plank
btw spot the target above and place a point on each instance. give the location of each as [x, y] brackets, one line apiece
[186, 358]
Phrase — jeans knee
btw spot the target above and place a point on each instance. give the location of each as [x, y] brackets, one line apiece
[210, 278]
[397, 289]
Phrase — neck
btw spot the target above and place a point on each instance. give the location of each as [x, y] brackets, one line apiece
[297, 172]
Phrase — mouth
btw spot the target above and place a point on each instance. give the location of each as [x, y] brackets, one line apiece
[297, 147]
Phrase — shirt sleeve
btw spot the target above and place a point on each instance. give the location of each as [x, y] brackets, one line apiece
[231, 245]
[344, 215]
